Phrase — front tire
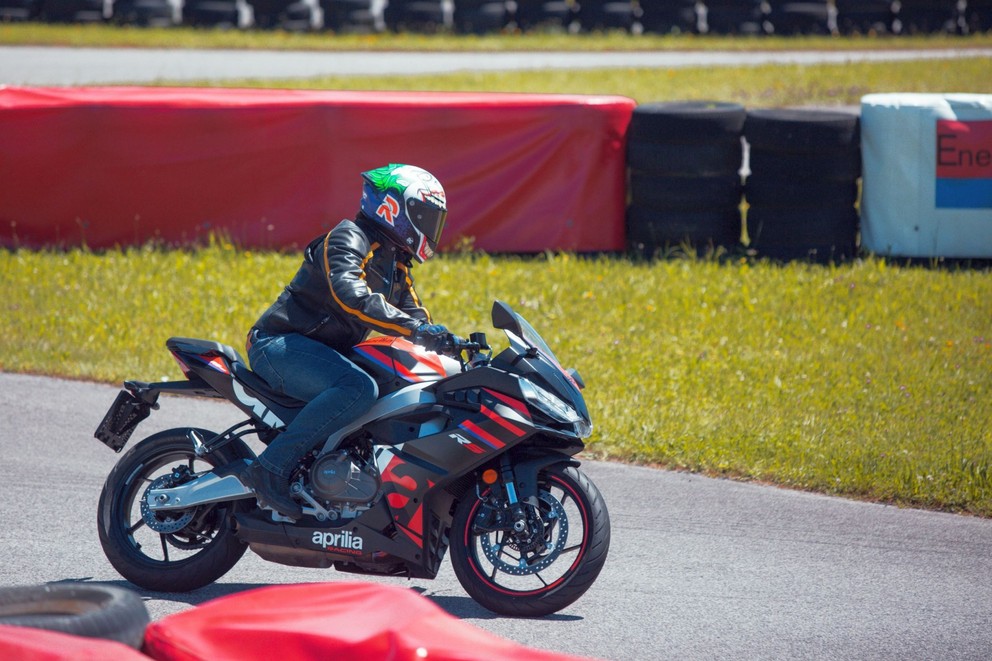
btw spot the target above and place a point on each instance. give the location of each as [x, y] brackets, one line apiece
[507, 579]
[191, 548]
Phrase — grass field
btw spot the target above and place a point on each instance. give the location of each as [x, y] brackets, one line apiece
[868, 379]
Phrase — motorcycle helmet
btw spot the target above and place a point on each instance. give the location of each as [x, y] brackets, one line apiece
[408, 205]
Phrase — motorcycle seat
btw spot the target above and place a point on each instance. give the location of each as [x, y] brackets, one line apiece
[203, 347]
[239, 368]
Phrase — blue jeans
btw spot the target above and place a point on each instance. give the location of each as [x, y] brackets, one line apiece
[336, 390]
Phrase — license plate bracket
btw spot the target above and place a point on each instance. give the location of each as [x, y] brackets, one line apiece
[119, 423]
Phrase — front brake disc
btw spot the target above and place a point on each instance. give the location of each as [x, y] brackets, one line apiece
[546, 548]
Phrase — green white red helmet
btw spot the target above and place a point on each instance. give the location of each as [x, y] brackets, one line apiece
[408, 205]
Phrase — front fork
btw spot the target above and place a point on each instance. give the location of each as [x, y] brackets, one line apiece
[518, 515]
[518, 486]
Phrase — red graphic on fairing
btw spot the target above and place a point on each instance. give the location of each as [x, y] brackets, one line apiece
[495, 430]
[404, 358]
[514, 404]
[401, 492]
[214, 362]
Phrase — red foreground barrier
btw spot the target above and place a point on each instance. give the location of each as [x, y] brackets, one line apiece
[273, 168]
[348, 620]
[25, 644]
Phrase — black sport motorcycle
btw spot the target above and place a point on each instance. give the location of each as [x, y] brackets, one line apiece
[462, 449]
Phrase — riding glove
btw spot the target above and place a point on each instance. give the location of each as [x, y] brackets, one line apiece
[432, 337]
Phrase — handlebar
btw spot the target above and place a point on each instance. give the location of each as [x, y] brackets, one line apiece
[454, 345]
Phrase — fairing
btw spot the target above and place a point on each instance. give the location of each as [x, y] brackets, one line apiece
[395, 363]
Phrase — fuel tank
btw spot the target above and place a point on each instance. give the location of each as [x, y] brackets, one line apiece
[395, 363]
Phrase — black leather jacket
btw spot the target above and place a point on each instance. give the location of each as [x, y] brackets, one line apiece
[353, 281]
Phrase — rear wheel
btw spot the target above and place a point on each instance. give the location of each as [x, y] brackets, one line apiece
[544, 570]
[174, 551]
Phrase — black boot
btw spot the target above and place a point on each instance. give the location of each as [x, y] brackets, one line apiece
[271, 490]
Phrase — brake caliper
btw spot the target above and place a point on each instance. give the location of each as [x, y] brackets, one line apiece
[171, 521]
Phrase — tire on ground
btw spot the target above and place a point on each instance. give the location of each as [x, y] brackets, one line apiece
[80, 609]
[650, 231]
[818, 235]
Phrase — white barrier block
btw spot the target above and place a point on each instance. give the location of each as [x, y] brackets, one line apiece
[927, 175]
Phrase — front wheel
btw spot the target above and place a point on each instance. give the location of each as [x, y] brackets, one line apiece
[544, 570]
[174, 551]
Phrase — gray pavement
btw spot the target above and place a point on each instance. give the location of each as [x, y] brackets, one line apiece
[698, 568]
[43, 66]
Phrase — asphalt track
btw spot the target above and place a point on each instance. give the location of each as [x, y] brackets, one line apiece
[698, 568]
[41, 66]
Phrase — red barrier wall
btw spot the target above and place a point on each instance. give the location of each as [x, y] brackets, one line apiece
[273, 168]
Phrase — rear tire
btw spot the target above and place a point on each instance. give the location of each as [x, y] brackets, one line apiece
[194, 555]
[501, 578]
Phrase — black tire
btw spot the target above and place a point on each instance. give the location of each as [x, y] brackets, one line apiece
[864, 16]
[607, 14]
[81, 609]
[801, 130]
[193, 556]
[480, 16]
[785, 193]
[716, 158]
[650, 230]
[800, 17]
[682, 122]
[840, 165]
[819, 235]
[685, 193]
[927, 16]
[580, 520]
[734, 16]
[669, 16]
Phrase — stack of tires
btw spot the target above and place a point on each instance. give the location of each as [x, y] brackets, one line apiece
[976, 16]
[865, 16]
[670, 16]
[734, 16]
[610, 15]
[481, 16]
[547, 14]
[789, 18]
[685, 185]
[803, 183]
[927, 16]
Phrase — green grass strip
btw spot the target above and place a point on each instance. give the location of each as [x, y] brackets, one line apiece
[865, 379]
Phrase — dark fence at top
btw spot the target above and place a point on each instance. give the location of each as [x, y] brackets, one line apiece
[747, 17]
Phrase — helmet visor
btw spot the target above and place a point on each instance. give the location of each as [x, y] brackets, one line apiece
[428, 219]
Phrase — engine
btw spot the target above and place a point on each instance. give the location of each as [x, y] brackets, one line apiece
[345, 484]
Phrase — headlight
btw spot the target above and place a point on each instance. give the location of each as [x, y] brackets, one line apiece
[554, 407]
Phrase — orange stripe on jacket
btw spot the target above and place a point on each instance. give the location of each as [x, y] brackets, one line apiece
[405, 332]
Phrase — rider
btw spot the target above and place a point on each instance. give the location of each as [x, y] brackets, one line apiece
[354, 280]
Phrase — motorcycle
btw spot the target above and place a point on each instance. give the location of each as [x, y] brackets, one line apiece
[463, 449]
